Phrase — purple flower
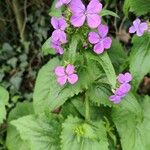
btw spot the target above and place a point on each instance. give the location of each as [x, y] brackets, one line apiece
[100, 39]
[80, 13]
[123, 88]
[57, 46]
[138, 27]
[59, 3]
[66, 74]
[115, 99]
[124, 78]
[59, 25]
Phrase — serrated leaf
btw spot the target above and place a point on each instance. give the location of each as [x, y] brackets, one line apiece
[98, 94]
[41, 132]
[128, 120]
[140, 7]
[4, 97]
[78, 135]
[118, 51]
[13, 136]
[105, 12]
[46, 48]
[49, 95]
[105, 62]
[139, 58]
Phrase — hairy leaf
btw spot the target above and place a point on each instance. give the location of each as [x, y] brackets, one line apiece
[77, 135]
[13, 136]
[41, 132]
[139, 58]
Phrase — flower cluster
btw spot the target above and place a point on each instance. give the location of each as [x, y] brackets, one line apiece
[65, 75]
[123, 89]
[58, 36]
[138, 27]
[100, 39]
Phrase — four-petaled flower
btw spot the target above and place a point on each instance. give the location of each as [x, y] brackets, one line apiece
[80, 13]
[66, 74]
[123, 89]
[100, 39]
[138, 27]
[59, 3]
[59, 24]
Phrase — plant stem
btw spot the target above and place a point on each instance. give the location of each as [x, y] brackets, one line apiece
[87, 108]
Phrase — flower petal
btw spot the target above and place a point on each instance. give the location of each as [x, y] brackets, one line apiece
[132, 29]
[73, 78]
[103, 30]
[60, 71]
[93, 38]
[143, 26]
[107, 42]
[94, 7]
[93, 20]
[70, 69]
[99, 48]
[62, 80]
[77, 7]
[54, 22]
[62, 23]
[59, 3]
[136, 23]
[77, 21]
[115, 98]
[59, 35]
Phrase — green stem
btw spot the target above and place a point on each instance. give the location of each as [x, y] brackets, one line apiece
[87, 108]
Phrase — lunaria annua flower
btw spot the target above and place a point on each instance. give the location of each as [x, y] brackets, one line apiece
[65, 75]
[59, 3]
[123, 88]
[138, 27]
[100, 40]
[80, 13]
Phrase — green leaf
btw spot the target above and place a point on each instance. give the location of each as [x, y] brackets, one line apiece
[140, 7]
[54, 11]
[41, 132]
[105, 62]
[105, 12]
[49, 95]
[13, 136]
[46, 48]
[4, 97]
[128, 119]
[71, 54]
[78, 135]
[99, 94]
[126, 7]
[117, 50]
[139, 58]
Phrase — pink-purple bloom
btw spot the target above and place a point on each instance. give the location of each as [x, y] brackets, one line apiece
[100, 40]
[59, 24]
[80, 13]
[59, 3]
[123, 89]
[65, 75]
[138, 27]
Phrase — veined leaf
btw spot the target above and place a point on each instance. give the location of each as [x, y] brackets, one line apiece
[105, 62]
[78, 135]
[13, 136]
[140, 58]
[48, 94]
[41, 132]
[128, 120]
[4, 97]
